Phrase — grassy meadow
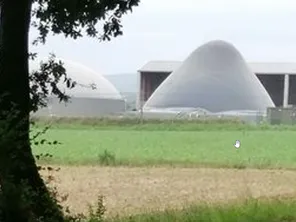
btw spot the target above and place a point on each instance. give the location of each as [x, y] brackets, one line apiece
[181, 144]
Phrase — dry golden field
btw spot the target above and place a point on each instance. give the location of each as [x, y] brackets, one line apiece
[132, 190]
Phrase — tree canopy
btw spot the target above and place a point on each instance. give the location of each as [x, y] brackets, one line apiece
[74, 18]
[23, 194]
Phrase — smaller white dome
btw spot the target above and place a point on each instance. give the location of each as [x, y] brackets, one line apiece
[90, 84]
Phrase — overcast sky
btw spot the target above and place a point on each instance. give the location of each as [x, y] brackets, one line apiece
[262, 30]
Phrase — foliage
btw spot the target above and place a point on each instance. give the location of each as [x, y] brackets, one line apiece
[68, 17]
[107, 158]
[44, 83]
[96, 212]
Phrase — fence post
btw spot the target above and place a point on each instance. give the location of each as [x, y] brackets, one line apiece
[141, 106]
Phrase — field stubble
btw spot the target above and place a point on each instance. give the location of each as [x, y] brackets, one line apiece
[135, 190]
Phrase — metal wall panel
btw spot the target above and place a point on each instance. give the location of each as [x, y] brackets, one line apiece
[82, 107]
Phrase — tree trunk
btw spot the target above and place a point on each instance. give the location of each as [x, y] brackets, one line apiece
[24, 195]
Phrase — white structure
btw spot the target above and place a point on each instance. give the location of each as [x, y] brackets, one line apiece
[260, 69]
[92, 96]
[214, 77]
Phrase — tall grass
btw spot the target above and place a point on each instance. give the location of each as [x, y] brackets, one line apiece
[252, 210]
[155, 124]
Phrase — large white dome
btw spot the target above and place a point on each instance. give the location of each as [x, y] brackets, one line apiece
[214, 77]
[90, 84]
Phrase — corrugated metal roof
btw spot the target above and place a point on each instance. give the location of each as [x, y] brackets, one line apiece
[256, 67]
[273, 68]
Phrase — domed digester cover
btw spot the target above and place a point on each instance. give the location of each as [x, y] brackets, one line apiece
[92, 96]
[214, 77]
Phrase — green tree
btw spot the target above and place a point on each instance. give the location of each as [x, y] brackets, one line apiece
[24, 196]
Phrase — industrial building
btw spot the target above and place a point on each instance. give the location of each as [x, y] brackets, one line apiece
[278, 79]
[214, 77]
[93, 95]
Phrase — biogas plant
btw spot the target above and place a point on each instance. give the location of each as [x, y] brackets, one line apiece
[215, 80]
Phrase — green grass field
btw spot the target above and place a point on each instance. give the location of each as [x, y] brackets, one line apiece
[152, 144]
[189, 144]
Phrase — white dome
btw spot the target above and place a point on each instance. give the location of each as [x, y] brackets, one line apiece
[214, 77]
[90, 84]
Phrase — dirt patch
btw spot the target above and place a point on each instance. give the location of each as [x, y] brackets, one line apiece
[137, 189]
